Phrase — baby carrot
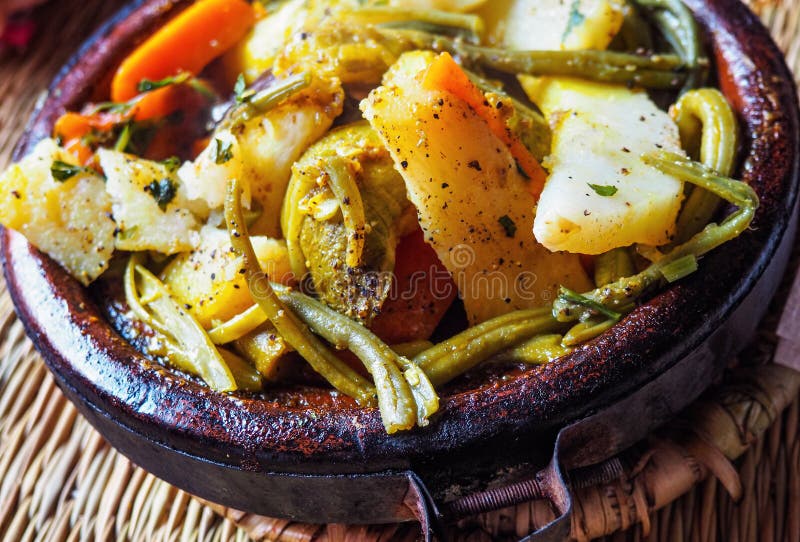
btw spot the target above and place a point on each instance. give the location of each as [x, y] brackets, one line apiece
[187, 43]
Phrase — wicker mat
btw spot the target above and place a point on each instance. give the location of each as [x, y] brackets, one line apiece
[734, 477]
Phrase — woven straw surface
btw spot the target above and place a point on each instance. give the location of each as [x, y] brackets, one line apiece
[59, 480]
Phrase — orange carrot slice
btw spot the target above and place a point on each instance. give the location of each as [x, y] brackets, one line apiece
[444, 74]
[187, 43]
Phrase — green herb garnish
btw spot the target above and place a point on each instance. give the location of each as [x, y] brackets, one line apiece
[63, 171]
[605, 190]
[240, 90]
[172, 164]
[222, 151]
[163, 192]
[576, 18]
[146, 85]
[508, 225]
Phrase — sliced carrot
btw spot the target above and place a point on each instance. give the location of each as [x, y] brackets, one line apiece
[187, 43]
[79, 150]
[444, 74]
[421, 293]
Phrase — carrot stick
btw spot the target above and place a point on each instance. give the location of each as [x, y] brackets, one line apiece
[187, 43]
[147, 106]
[444, 74]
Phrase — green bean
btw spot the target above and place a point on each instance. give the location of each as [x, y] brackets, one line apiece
[267, 99]
[571, 306]
[245, 375]
[612, 266]
[634, 34]
[405, 395]
[588, 330]
[412, 348]
[620, 295]
[187, 344]
[704, 116]
[238, 326]
[677, 24]
[652, 71]
[430, 28]
[380, 15]
[536, 351]
[294, 332]
[475, 345]
[342, 183]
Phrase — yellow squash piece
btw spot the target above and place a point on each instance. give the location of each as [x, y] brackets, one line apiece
[473, 203]
[70, 220]
[208, 280]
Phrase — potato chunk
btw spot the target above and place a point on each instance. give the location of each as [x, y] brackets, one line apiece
[69, 220]
[149, 205]
[209, 280]
[553, 24]
[599, 194]
[261, 151]
[474, 205]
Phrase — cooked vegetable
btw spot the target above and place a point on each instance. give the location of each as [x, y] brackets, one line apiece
[263, 149]
[375, 159]
[238, 326]
[342, 219]
[354, 54]
[421, 293]
[465, 25]
[76, 207]
[444, 74]
[661, 71]
[708, 129]
[294, 332]
[463, 179]
[612, 266]
[468, 349]
[600, 134]
[208, 280]
[264, 348]
[552, 24]
[595, 311]
[676, 23]
[187, 43]
[405, 394]
[186, 343]
[149, 205]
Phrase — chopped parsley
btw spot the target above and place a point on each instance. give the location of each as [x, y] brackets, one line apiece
[508, 225]
[63, 171]
[163, 192]
[240, 90]
[172, 164]
[222, 151]
[146, 85]
[605, 190]
[576, 18]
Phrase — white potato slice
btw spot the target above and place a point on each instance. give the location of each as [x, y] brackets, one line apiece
[474, 206]
[149, 204]
[600, 133]
[69, 220]
[209, 280]
[552, 24]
